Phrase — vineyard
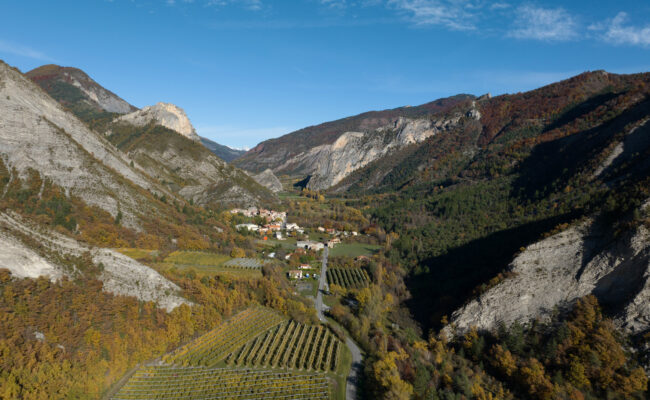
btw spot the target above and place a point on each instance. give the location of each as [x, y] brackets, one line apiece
[349, 278]
[215, 345]
[244, 263]
[291, 345]
[180, 383]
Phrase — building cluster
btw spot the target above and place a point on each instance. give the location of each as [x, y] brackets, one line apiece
[300, 273]
[334, 232]
[274, 228]
[268, 215]
[276, 221]
[310, 245]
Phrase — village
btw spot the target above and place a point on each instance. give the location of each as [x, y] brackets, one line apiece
[273, 225]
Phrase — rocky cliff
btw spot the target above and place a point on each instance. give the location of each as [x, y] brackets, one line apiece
[268, 179]
[551, 274]
[36, 133]
[164, 114]
[186, 167]
[291, 153]
[328, 165]
[121, 275]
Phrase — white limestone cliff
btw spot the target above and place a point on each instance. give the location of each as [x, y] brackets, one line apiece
[165, 114]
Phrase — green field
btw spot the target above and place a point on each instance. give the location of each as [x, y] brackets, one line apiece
[138, 254]
[288, 243]
[203, 263]
[354, 249]
[196, 258]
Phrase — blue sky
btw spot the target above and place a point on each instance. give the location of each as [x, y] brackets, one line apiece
[248, 70]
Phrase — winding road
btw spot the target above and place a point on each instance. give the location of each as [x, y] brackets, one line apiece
[355, 370]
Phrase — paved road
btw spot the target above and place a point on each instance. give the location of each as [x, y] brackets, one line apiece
[322, 286]
[355, 371]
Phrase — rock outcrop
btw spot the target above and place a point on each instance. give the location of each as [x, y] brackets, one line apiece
[268, 179]
[165, 114]
[274, 153]
[187, 168]
[36, 133]
[553, 273]
[328, 164]
[121, 275]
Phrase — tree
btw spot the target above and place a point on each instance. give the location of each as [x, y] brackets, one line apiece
[237, 253]
[387, 375]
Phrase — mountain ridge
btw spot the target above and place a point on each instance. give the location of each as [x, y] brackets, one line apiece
[76, 89]
[226, 153]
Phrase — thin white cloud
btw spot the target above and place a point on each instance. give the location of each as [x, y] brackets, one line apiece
[499, 6]
[452, 14]
[23, 51]
[618, 32]
[336, 4]
[549, 24]
[253, 5]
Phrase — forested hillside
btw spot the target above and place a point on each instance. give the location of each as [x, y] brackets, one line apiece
[464, 204]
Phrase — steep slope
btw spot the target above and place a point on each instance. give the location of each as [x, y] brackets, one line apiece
[165, 114]
[186, 167]
[121, 275]
[37, 133]
[223, 152]
[79, 93]
[174, 160]
[463, 204]
[268, 179]
[309, 151]
[553, 273]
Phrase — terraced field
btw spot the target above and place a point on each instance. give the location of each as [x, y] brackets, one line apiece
[349, 278]
[215, 345]
[291, 345]
[181, 383]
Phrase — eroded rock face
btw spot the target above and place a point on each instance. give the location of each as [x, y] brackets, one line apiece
[268, 179]
[37, 133]
[105, 99]
[24, 262]
[200, 176]
[164, 114]
[121, 275]
[553, 273]
[329, 164]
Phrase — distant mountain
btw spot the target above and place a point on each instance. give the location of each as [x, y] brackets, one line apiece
[327, 153]
[226, 153]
